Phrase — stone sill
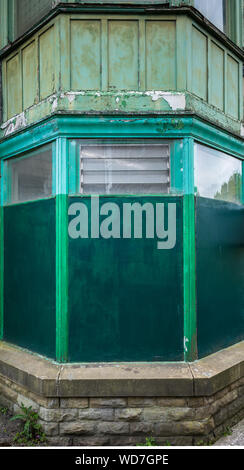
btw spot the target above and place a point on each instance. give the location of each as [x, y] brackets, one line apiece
[50, 379]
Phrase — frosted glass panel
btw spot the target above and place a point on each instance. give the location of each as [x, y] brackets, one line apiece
[124, 168]
[217, 175]
[213, 10]
[30, 175]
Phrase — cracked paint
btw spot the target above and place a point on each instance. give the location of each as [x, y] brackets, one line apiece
[14, 124]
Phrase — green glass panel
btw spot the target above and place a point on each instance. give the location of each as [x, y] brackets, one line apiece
[220, 274]
[125, 295]
[29, 276]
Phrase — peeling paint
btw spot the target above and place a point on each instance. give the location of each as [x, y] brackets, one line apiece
[54, 102]
[71, 95]
[186, 340]
[14, 124]
[175, 100]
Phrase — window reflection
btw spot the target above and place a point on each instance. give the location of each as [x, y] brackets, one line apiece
[213, 10]
[30, 175]
[217, 175]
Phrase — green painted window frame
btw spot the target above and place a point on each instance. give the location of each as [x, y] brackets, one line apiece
[6, 175]
[212, 147]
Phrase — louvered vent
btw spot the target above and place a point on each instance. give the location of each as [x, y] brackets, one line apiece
[124, 168]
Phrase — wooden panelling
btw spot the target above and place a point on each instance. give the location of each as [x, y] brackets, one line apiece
[29, 75]
[85, 54]
[123, 55]
[47, 64]
[107, 53]
[199, 63]
[217, 76]
[160, 55]
[232, 87]
[13, 83]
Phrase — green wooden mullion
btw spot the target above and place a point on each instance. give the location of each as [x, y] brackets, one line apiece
[1, 251]
[242, 183]
[73, 168]
[182, 51]
[176, 167]
[104, 47]
[1, 272]
[189, 256]
[61, 250]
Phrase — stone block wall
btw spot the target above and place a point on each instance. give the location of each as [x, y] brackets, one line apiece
[115, 421]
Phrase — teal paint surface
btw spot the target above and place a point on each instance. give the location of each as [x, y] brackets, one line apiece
[125, 295]
[220, 274]
[29, 282]
[121, 126]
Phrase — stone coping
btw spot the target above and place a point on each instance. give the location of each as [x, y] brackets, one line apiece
[50, 379]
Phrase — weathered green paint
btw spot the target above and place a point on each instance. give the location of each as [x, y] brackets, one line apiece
[217, 76]
[160, 55]
[220, 268]
[30, 86]
[86, 60]
[189, 262]
[125, 295]
[118, 126]
[233, 87]
[199, 63]
[47, 63]
[61, 250]
[13, 83]
[85, 54]
[123, 54]
[29, 276]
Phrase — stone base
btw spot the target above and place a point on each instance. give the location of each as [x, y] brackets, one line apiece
[113, 405]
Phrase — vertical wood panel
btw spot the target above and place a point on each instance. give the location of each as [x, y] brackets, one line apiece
[85, 55]
[13, 79]
[47, 63]
[182, 30]
[123, 55]
[217, 76]
[199, 64]
[64, 52]
[232, 87]
[29, 75]
[160, 55]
